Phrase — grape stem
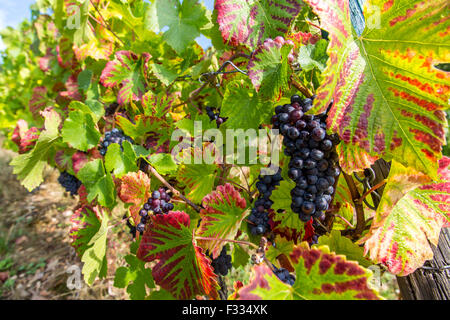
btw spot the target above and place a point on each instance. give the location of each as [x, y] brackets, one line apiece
[300, 87]
[227, 240]
[360, 219]
[174, 191]
[375, 187]
[345, 220]
[106, 23]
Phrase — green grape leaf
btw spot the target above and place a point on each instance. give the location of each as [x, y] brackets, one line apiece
[410, 215]
[83, 32]
[142, 126]
[135, 189]
[99, 184]
[157, 105]
[388, 96]
[181, 267]
[29, 167]
[223, 211]
[92, 107]
[241, 99]
[135, 278]
[282, 199]
[163, 163]
[320, 275]
[184, 21]
[126, 72]
[313, 56]
[120, 162]
[85, 224]
[344, 246]
[269, 69]
[94, 257]
[239, 257]
[198, 179]
[244, 22]
[79, 131]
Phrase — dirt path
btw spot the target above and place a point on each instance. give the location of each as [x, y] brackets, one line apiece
[35, 252]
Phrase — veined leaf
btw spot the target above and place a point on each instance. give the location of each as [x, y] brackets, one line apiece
[249, 22]
[388, 96]
[127, 73]
[120, 162]
[182, 268]
[320, 275]
[85, 224]
[79, 131]
[408, 217]
[222, 214]
[198, 178]
[135, 189]
[29, 166]
[142, 126]
[282, 200]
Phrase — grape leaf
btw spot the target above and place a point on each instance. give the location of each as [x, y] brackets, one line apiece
[281, 246]
[126, 72]
[241, 99]
[239, 257]
[222, 214]
[313, 56]
[141, 127]
[163, 163]
[282, 199]
[94, 257]
[120, 162]
[408, 217]
[135, 278]
[184, 21]
[92, 107]
[344, 246]
[157, 105]
[65, 53]
[320, 275]
[269, 69]
[182, 268]
[85, 224]
[79, 131]
[135, 189]
[198, 178]
[98, 48]
[98, 182]
[388, 96]
[29, 166]
[38, 100]
[248, 22]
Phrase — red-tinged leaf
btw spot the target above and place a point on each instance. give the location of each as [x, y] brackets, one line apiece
[79, 159]
[38, 100]
[388, 96]
[157, 105]
[19, 131]
[222, 214]
[65, 55]
[182, 268]
[71, 92]
[135, 189]
[44, 62]
[320, 275]
[126, 72]
[244, 22]
[100, 47]
[409, 216]
[29, 140]
[85, 224]
[142, 126]
[268, 68]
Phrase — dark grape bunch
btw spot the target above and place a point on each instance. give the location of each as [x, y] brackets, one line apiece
[259, 216]
[113, 136]
[313, 161]
[222, 263]
[69, 182]
[158, 203]
[215, 116]
[284, 275]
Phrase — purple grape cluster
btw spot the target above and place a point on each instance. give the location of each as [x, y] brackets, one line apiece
[69, 182]
[215, 116]
[284, 275]
[313, 161]
[158, 203]
[259, 216]
[113, 136]
[222, 263]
